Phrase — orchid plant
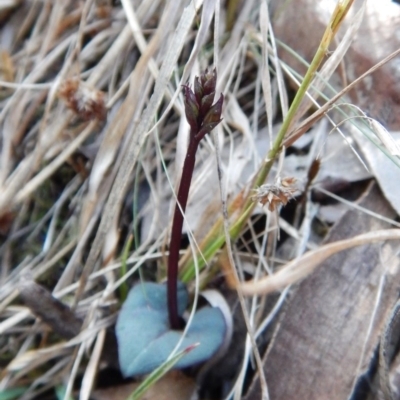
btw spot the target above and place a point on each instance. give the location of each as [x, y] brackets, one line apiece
[150, 324]
[203, 116]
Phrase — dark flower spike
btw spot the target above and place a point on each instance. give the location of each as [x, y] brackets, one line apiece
[202, 116]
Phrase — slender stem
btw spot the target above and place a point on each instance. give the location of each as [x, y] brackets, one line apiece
[176, 233]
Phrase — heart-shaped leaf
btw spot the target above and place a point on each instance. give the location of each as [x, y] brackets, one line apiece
[145, 340]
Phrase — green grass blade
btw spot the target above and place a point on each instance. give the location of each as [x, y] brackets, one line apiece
[157, 374]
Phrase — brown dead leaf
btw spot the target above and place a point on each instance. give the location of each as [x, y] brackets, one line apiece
[301, 26]
[389, 375]
[174, 385]
[327, 337]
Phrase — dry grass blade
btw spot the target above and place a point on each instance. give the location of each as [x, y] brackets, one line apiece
[206, 17]
[299, 268]
[266, 78]
[91, 370]
[298, 131]
[329, 67]
[228, 254]
[45, 173]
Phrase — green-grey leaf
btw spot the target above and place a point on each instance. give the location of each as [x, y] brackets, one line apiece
[145, 340]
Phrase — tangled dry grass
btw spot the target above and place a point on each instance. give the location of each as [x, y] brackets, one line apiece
[65, 66]
[93, 137]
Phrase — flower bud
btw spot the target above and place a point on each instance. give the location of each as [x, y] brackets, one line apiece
[210, 82]
[213, 117]
[191, 108]
[206, 103]
[198, 89]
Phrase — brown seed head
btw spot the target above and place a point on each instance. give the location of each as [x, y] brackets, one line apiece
[275, 195]
[84, 100]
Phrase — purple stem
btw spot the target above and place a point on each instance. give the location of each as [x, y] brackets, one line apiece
[176, 233]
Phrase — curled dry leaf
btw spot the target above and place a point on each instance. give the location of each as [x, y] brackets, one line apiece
[301, 267]
[83, 99]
